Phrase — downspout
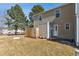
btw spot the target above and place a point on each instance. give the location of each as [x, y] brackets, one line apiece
[77, 25]
[48, 30]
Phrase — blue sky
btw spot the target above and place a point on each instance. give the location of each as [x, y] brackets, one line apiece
[26, 7]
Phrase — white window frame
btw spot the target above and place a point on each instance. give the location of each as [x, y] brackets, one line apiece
[59, 12]
[65, 26]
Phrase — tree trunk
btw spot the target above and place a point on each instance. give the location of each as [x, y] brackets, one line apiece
[15, 32]
[16, 29]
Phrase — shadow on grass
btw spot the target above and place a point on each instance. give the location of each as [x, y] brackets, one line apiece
[66, 42]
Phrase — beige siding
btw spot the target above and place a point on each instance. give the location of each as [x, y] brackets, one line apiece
[67, 16]
[42, 25]
[43, 30]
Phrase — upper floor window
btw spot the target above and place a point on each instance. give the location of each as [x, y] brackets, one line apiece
[58, 13]
[40, 18]
[67, 26]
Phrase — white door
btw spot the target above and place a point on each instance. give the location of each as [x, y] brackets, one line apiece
[55, 28]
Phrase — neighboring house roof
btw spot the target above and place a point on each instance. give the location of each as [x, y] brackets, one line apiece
[52, 9]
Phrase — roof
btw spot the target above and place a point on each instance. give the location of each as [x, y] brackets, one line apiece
[65, 4]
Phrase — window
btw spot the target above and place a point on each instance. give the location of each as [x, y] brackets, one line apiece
[40, 18]
[56, 28]
[57, 13]
[67, 26]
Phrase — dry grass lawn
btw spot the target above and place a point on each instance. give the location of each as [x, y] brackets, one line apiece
[32, 47]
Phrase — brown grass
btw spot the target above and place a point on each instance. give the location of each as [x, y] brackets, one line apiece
[32, 47]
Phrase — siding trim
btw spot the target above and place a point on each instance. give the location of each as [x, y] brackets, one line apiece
[47, 30]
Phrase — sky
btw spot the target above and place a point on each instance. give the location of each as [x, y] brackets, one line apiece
[26, 7]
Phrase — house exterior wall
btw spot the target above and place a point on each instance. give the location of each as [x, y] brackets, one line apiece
[67, 16]
[42, 25]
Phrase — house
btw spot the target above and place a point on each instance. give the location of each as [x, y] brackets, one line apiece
[60, 22]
